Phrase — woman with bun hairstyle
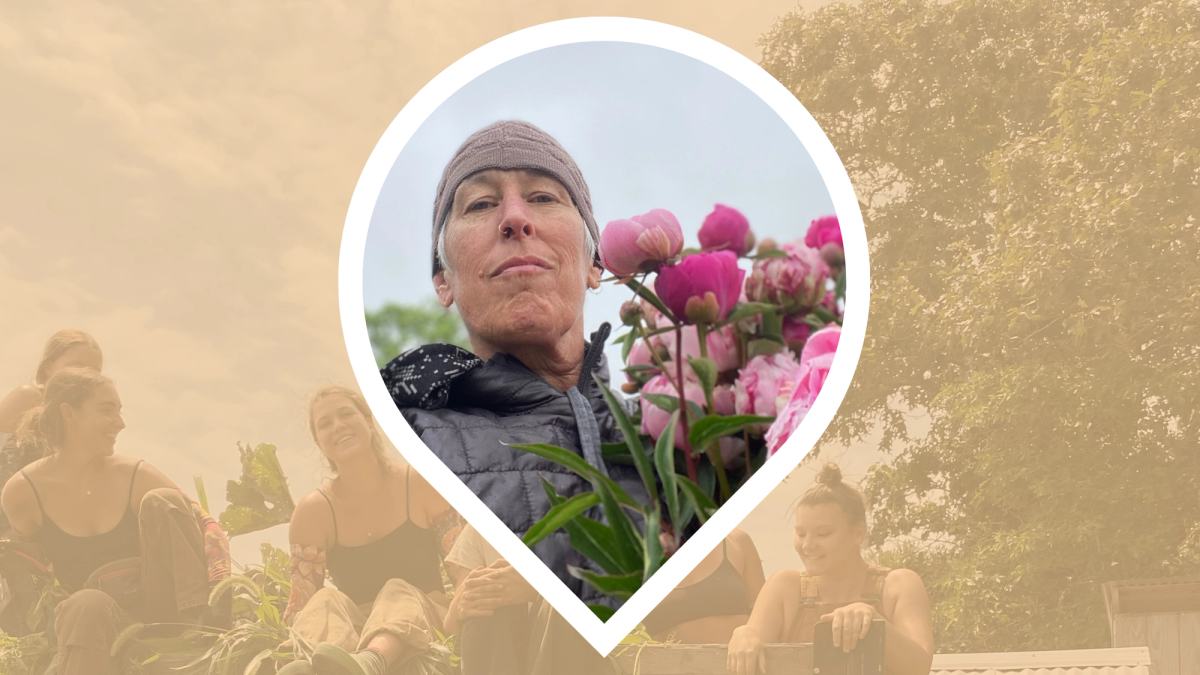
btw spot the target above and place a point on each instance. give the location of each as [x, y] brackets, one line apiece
[837, 585]
[382, 532]
[117, 532]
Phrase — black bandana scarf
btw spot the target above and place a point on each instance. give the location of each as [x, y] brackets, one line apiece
[421, 377]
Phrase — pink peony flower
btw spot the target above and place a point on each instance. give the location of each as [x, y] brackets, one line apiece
[639, 355]
[726, 229]
[825, 235]
[655, 419]
[724, 400]
[815, 362]
[702, 287]
[641, 243]
[760, 384]
[795, 333]
[722, 348]
[795, 282]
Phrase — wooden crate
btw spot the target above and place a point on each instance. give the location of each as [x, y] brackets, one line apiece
[671, 659]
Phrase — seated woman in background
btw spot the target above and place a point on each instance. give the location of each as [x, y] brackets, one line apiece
[68, 348]
[382, 531]
[839, 586]
[714, 598]
[99, 517]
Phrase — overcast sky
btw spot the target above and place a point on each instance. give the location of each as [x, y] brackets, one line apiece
[649, 128]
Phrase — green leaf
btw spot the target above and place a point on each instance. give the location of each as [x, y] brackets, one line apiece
[592, 539]
[701, 502]
[260, 498]
[629, 544]
[651, 298]
[749, 309]
[603, 611]
[620, 586]
[840, 291]
[763, 347]
[772, 326]
[712, 427]
[665, 402]
[664, 460]
[773, 253]
[824, 314]
[627, 345]
[558, 515]
[616, 453]
[654, 552]
[577, 464]
[634, 441]
[705, 369]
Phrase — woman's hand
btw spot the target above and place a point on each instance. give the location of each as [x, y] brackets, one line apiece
[851, 623]
[745, 654]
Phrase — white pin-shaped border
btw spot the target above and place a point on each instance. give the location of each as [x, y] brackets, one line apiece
[602, 635]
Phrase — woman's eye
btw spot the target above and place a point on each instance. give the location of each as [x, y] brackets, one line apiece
[478, 206]
[543, 198]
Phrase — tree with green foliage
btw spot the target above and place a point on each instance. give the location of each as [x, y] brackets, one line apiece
[1029, 173]
[394, 328]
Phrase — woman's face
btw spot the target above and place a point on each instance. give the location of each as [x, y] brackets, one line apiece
[825, 539]
[342, 432]
[97, 421]
[517, 265]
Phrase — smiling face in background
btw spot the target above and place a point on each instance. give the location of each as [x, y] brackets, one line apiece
[825, 538]
[341, 430]
[516, 256]
[97, 421]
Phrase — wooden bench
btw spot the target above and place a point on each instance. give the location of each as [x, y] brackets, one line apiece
[671, 659]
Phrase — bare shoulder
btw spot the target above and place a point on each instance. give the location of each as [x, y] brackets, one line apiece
[148, 476]
[19, 503]
[903, 583]
[785, 579]
[426, 495]
[15, 404]
[312, 521]
[742, 542]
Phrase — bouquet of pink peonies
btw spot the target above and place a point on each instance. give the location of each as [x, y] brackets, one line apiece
[725, 361]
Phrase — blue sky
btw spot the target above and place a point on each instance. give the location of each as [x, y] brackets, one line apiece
[649, 128]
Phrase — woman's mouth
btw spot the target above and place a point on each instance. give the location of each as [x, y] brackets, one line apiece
[343, 438]
[521, 265]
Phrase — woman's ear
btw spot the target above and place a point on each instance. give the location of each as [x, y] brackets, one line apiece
[594, 275]
[442, 287]
[68, 412]
[860, 533]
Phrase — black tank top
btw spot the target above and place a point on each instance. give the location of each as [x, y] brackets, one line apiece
[721, 593]
[408, 552]
[75, 558]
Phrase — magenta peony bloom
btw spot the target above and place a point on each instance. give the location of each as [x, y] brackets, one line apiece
[702, 287]
[641, 243]
[796, 283]
[726, 229]
[825, 235]
[655, 419]
[815, 362]
[795, 333]
[760, 384]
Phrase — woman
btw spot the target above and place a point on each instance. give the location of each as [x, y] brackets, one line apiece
[382, 531]
[117, 532]
[714, 598]
[839, 586]
[68, 348]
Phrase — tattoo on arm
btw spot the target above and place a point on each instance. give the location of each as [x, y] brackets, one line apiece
[308, 575]
[446, 526]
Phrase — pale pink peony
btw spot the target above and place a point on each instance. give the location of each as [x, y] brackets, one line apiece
[758, 387]
[701, 288]
[795, 282]
[724, 400]
[641, 243]
[726, 229]
[825, 235]
[722, 348]
[815, 361]
[639, 355]
[655, 419]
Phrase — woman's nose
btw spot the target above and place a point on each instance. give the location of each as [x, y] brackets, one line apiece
[515, 218]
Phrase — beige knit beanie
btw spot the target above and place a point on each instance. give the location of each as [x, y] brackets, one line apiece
[510, 145]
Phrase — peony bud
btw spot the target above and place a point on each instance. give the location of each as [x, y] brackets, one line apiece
[641, 243]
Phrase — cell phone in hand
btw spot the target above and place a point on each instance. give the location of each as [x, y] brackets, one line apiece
[865, 659]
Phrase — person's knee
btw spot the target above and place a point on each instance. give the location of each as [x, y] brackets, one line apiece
[160, 501]
[88, 607]
[394, 586]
